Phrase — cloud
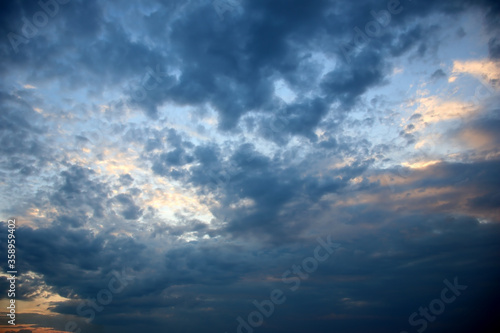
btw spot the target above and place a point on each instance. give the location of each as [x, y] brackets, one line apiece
[486, 70]
[438, 74]
[432, 109]
[203, 156]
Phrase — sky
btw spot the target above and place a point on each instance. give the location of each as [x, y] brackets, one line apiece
[299, 166]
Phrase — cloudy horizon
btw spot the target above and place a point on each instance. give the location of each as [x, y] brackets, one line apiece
[251, 165]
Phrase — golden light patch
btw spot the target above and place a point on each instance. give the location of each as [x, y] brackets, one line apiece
[433, 109]
[344, 163]
[41, 213]
[29, 86]
[160, 199]
[121, 232]
[27, 221]
[386, 194]
[41, 305]
[482, 69]
[41, 302]
[31, 327]
[116, 163]
[78, 160]
[168, 199]
[420, 165]
[419, 193]
[356, 180]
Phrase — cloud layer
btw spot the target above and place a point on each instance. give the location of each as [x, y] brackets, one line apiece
[196, 153]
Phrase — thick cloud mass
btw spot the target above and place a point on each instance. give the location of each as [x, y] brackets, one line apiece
[251, 165]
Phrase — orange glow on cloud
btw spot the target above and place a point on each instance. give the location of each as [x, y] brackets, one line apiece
[483, 69]
[420, 165]
[476, 139]
[32, 328]
[433, 109]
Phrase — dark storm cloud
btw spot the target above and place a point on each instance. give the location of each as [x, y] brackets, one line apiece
[231, 64]
[494, 48]
[166, 163]
[408, 135]
[438, 74]
[270, 184]
[130, 210]
[208, 265]
[232, 83]
[30, 287]
[83, 262]
[235, 73]
[207, 155]
[100, 51]
[346, 84]
[21, 144]
[195, 227]
[475, 191]
[371, 278]
[79, 197]
[126, 179]
[300, 118]
[78, 192]
[74, 260]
